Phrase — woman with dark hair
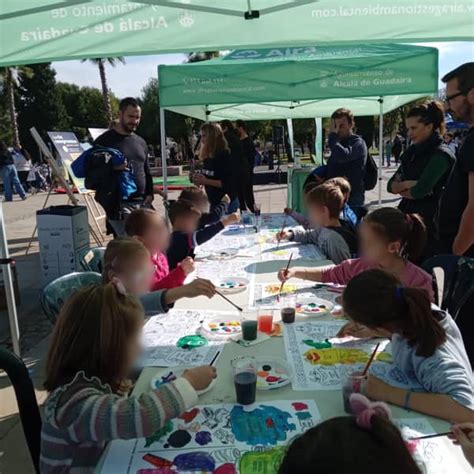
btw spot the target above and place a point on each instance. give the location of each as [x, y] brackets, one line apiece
[216, 172]
[425, 167]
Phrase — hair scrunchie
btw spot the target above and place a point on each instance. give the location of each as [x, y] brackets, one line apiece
[365, 410]
[119, 286]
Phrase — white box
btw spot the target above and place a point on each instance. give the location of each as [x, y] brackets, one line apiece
[63, 235]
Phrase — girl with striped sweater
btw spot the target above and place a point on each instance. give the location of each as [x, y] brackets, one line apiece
[95, 344]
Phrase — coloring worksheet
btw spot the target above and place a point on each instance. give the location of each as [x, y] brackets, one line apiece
[273, 251]
[217, 439]
[435, 455]
[319, 359]
[215, 270]
[161, 334]
[265, 295]
[276, 221]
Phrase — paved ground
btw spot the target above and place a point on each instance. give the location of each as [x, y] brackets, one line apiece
[35, 328]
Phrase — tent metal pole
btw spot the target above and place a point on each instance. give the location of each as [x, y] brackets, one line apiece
[9, 289]
[164, 164]
[381, 148]
[207, 113]
[289, 124]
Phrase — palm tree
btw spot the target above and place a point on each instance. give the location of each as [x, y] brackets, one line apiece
[9, 78]
[101, 62]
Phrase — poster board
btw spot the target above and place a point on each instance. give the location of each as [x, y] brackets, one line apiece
[68, 147]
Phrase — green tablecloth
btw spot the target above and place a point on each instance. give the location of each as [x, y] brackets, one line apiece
[296, 179]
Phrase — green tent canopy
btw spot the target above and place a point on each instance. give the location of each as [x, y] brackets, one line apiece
[300, 82]
[33, 31]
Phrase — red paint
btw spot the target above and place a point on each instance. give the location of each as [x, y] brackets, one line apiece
[227, 468]
[189, 416]
[157, 461]
[272, 378]
[299, 406]
[269, 423]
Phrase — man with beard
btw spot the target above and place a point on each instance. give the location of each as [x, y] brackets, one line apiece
[121, 136]
[456, 215]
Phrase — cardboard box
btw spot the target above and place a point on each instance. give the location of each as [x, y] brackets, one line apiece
[63, 235]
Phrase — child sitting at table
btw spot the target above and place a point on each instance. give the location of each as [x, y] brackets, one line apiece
[184, 217]
[368, 443]
[128, 262]
[347, 216]
[95, 344]
[336, 242]
[199, 198]
[388, 239]
[149, 227]
[300, 218]
[426, 345]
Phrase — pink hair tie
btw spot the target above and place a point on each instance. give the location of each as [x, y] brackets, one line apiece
[364, 410]
[119, 286]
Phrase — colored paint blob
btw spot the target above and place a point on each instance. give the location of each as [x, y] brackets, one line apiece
[192, 341]
[303, 415]
[203, 438]
[179, 438]
[299, 406]
[194, 462]
[272, 379]
[263, 373]
[157, 461]
[267, 367]
[166, 429]
[227, 468]
[189, 416]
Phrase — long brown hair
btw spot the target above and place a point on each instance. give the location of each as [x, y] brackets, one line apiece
[430, 112]
[339, 446]
[92, 335]
[393, 226]
[215, 141]
[377, 299]
[119, 252]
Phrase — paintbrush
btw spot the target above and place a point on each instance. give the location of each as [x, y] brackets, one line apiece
[372, 357]
[435, 435]
[215, 358]
[281, 232]
[286, 270]
[238, 308]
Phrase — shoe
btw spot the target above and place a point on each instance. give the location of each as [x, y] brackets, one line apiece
[24, 198]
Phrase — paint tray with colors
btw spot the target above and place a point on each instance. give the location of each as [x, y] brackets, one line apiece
[273, 373]
[314, 306]
[222, 327]
[232, 285]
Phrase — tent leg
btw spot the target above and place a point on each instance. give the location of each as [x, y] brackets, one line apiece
[381, 150]
[164, 164]
[289, 124]
[9, 290]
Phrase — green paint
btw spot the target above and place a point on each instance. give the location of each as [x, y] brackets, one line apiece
[168, 428]
[261, 462]
[303, 415]
[318, 345]
[190, 342]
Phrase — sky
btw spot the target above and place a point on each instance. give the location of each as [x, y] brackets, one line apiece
[129, 79]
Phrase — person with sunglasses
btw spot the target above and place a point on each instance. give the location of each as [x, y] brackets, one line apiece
[456, 213]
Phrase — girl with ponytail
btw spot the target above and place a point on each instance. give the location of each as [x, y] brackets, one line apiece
[425, 167]
[95, 345]
[389, 239]
[427, 346]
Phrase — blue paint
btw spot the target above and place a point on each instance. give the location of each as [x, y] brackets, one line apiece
[194, 462]
[263, 426]
[203, 438]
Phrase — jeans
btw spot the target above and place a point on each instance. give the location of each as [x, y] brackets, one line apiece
[10, 179]
[233, 206]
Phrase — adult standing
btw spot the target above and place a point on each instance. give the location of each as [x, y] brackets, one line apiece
[239, 170]
[388, 152]
[9, 174]
[249, 152]
[121, 136]
[216, 173]
[397, 148]
[22, 161]
[456, 216]
[348, 157]
[425, 167]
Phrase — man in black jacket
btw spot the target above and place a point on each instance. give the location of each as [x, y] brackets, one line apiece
[121, 136]
[248, 150]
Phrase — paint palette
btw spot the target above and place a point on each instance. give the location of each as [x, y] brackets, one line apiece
[223, 254]
[273, 373]
[232, 285]
[314, 307]
[167, 376]
[222, 328]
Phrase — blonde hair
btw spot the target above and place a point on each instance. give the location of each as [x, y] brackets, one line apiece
[92, 334]
[215, 141]
[119, 252]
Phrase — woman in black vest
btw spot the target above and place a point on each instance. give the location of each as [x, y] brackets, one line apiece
[216, 172]
[425, 167]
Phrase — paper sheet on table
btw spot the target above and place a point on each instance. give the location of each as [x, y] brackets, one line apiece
[162, 332]
[321, 368]
[273, 251]
[208, 437]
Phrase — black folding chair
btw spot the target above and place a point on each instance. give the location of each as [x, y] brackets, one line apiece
[26, 400]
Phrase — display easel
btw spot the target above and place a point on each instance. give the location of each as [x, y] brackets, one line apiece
[93, 209]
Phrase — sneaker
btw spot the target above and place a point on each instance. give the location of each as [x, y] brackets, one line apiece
[24, 198]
